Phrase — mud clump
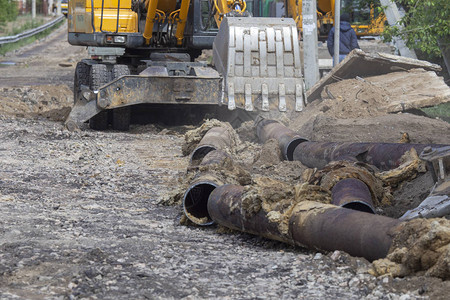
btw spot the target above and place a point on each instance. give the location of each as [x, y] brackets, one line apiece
[193, 137]
[421, 246]
[224, 171]
[276, 200]
[410, 167]
[269, 155]
[247, 132]
[339, 170]
[221, 172]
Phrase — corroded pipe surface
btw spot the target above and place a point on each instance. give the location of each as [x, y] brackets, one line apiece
[311, 224]
[216, 138]
[385, 156]
[196, 196]
[287, 139]
[225, 208]
[330, 228]
[353, 194]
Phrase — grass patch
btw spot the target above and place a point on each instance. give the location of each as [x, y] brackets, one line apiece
[22, 23]
[30, 24]
[441, 111]
[14, 46]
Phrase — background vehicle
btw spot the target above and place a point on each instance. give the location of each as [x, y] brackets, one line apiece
[64, 6]
[142, 52]
[366, 22]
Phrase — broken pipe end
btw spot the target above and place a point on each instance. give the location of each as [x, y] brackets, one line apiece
[195, 202]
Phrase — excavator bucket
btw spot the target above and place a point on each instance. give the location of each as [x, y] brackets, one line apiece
[259, 59]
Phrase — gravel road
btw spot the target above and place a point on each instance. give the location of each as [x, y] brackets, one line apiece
[80, 219]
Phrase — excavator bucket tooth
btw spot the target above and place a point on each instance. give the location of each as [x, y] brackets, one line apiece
[259, 59]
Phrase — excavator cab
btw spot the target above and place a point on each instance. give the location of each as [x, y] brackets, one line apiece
[143, 52]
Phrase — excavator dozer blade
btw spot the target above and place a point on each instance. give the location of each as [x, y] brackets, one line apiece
[259, 59]
[81, 112]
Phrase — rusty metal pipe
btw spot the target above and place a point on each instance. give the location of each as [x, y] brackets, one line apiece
[353, 194]
[287, 139]
[195, 201]
[311, 224]
[216, 138]
[330, 228]
[385, 156]
[195, 198]
[225, 208]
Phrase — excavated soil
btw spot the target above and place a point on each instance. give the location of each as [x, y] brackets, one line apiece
[421, 246]
[82, 214]
[53, 102]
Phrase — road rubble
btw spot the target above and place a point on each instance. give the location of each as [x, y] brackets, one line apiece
[99, 215]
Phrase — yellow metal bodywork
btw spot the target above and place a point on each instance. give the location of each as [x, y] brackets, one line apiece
[159, 10]
[180, 18]
[152, 6]
[325, 12]
[226, 6]
[105, 19]
[64, 7]
[325, 16]
[374, 27]
[162, 10]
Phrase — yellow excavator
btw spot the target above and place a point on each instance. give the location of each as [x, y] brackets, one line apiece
[364, 22]
[143, 52]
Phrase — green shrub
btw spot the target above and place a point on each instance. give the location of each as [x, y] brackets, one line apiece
[8, 10]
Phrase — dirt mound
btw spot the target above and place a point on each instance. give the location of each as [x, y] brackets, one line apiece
[319, 126]
[53, 102]
[420, 246]
[378, 95]
[353, 98]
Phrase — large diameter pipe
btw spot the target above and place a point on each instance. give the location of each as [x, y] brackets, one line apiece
[385, 156]
[311, 224]
[225, 208]
[217, 138]
[354, 194]
[287, 139]
[329, 228]
[195, 198]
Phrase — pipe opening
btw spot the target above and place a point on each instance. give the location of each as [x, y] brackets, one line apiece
[195, 203]
[290, 148]
[200, 153]
[359, 206]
